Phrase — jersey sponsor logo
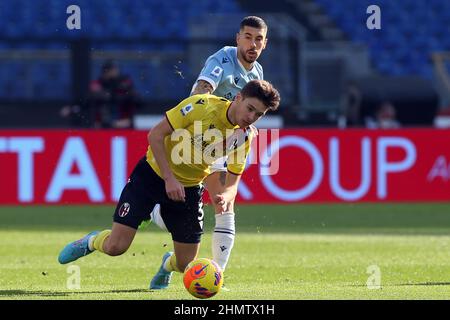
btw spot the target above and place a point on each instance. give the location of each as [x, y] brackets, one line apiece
[225, 60]
[197, 272]
[124, 209]
[217, 71]
[186, 109]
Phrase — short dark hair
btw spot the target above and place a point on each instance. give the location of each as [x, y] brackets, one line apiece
[264, 91]
[254, 22]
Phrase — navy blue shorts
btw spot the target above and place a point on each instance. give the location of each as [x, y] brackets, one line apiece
[145, 189]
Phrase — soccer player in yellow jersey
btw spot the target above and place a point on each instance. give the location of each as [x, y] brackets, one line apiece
[182, 148]
[224, 74]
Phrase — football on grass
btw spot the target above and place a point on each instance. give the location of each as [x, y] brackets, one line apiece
[203, 278]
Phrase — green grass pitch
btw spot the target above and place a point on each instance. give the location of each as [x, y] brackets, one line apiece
[281, 252]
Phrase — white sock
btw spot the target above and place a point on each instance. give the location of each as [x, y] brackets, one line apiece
[223, 238]
[156, 217]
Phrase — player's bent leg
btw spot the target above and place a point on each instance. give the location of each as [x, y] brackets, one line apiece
[224, 230]
[117, 242]
[184, 220]
[184, 253]
[111, 242]
[215, 183]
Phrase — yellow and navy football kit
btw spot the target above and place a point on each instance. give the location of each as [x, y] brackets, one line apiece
[195, 118]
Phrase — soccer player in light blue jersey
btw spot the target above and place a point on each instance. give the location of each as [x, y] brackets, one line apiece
[228, 70]
[225, 73]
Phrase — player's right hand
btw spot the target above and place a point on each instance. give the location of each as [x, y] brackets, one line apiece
[174, 189]
[222, 203]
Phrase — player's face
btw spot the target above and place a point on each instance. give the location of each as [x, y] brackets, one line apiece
[250, 43]
[250, 110]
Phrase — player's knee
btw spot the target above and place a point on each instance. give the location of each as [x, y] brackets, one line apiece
[116, 249]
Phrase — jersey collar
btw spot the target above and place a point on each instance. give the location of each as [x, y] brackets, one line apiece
[224, 117]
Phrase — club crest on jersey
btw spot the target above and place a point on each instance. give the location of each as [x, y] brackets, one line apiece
[200, 101]
[124, 209]
[186, 109]
[217, 71]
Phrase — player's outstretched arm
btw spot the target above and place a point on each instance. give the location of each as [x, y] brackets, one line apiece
[174, 189]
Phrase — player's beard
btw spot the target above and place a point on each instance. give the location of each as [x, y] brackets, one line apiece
[249, 58]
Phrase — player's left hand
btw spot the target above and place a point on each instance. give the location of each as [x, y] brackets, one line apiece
[253, 130]
[175, 190]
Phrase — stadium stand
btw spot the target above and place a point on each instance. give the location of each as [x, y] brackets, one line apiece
[159, 44]
[110, 25]
[410, 32]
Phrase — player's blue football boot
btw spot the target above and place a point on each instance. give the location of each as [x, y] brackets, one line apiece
[76, 249]
[162, 279]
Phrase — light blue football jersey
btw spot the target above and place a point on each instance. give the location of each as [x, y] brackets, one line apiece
[226, 74]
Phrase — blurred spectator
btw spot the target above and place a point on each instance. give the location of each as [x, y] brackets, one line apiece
[112, 101]
[113, 98]
[351, 113]
[385, 117]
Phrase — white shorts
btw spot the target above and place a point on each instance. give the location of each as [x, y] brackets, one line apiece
[219, 165]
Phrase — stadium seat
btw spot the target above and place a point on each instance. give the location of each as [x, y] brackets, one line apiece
[139, 20]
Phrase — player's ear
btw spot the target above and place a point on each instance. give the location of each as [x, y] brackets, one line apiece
[265, 43]
[237, 38]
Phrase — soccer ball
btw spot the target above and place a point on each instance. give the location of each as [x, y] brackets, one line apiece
[203, 278]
